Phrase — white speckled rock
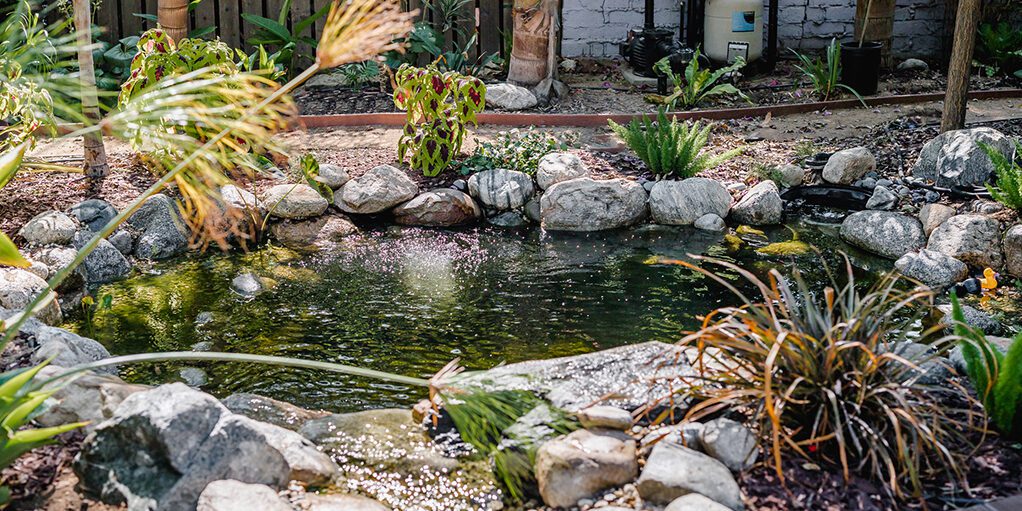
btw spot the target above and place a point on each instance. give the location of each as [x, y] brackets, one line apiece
[760, 206]
[556, 167]
[376, 191]
[583, 464]
[710, 222]
[934, 269]
[442, 207]
[955, 158]
[848, 165]
[294, 201]
[587, 205]
[231, 495]
[683, 202]
[884, 233]
[973, 239]
[1012, 248]
[333, 176]
[730, 442]
[672, 471]
[19, 287]
[506, 96]
[501, 189]
[49, 228]
[932, 215]
[610, 417]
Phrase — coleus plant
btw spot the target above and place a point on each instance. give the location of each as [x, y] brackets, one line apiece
[159, 56]
[439, 106]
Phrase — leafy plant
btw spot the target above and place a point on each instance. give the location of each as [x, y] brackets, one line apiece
[359, 73]
[439, 105]
[805, 149]
[160, 56]
[113, 62]
[698, 84]
[824, 74]
[1008, 190]
[671, 148]
[310, 169]
[261, 61]
[514, 150]
[996, 377]
[275, 34]
[448, 15]
[999, 49]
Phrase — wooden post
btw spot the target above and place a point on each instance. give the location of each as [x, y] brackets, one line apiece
[95, 153]
[958, 69]
[172, 15]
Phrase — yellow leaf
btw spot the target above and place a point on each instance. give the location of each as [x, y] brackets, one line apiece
[9, 254]
[10, 162]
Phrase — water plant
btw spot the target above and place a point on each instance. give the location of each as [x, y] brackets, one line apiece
[824, 74]
[671, 148]
[697, 85]
[439, 106]
[1008, 189]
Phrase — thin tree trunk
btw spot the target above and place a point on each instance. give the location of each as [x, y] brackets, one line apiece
[95, 153]
[531, 42]
[959, 68]
[172, 15]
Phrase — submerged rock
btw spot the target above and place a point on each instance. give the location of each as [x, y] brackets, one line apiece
[848, 165]
[673, 471]
[162, 230]
[556, 167]
[501, 189]
[683, 202]
[972, 239]
[955, 158]
[378, 190]
[888, 234]
[442, 207]
[583, 464]
[710, 222]
[294, 201]
[49, 228]
[248, 285]
[584, 204]
[508, 220]
[271, 411]
[314, 233]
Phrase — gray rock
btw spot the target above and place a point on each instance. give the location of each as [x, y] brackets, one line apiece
[973, 317]
[973, 239]
[105, 263]
[318, 233]
[955, 158]
[888, 234]
[687, 434]
[93, 213]
[710, 222]
[533, 210]
[442, 207]
[38, 269]
[294, 201]
[730, 443]
[556, 167]
[683, 202]
[1012, 249]
[583, 464]
[333, 176]
[759, 206]
[673, 471]
[934, 269]
[913, 65]
[67, 349]
[602, 416]
[19, 287]
[193, 376]
[791, 175]
[930, 369]
[587, 205]
[122, 241]
[508, 220]
[336, 502]
[376, 191]
[988, 207]
[501, 189]
[506, 96]
[231, 495]
[932, 215]
[846, 166]
[163, 233]
[242, 199]
[91, 398]
[882, 199]
[694, 502]
[58, 258]
[271, 411]
[460, 185]
[49, 228]
[957, 359]
[248, 285]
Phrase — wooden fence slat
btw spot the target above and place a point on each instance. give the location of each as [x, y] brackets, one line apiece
[489, 25]
[131, 24]
[230, 22]
[248, 29]
[151, 7]
[301, 9]
[205, 15]
[106, 17]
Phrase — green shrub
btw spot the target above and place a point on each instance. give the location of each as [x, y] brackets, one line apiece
[1008, 190]
[698, 84]
[999, 49]
[515, 150]
[160, 56]
[439, 105]
[671, 148]
[824, 74]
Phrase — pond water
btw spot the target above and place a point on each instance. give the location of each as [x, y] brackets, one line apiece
[409, 300]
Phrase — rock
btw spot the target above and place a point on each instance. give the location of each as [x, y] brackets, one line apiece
[193, 376]
[710, 222]
[333, 176]
[683, 202]
[67, 349]
[105, 263]
[587, 205]
[38, 269]
[973, 317]
[314, 233]
[791, 175]
[93, 213]
[932, 215]
[934, 269]
[231, 495]
[888, 234]
[508, 219]
[955, 158]
[601, 416]
[568, 65]
[533, 429]
[759, 206]
[931, 369]
[271, 411]
[163, 233]
[122, 241]
[882, 199]
[336, 502]
[694, 502]
[248, 285]
[556, 167]
[913, 65]
[91, 398]
[58, 258]
[673, 471]
[582, 465]
[973, 239]
[957, 359]
[294, 201]
[687, 434]
[376, 191]
[533, 210]
[19, 287]
[1012, 249]
[848, 165]
[49, 228]
[501, 189]
[730, 443]
[506, 96]
[442, 207]
[240, 198]
[162, 447]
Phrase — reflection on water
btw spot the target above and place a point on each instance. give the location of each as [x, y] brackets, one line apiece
[409, 300]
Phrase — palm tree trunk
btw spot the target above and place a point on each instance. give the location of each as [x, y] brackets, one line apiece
[172, 15]
[530, 50]
[95, 153]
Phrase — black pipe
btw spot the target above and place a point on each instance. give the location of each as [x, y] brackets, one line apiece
[772, 35]
[649, 14]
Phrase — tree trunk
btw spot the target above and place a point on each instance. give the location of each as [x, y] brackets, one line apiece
[961, 62]
[172, 15]
[530, 49]
[95, 154]
[879, 26]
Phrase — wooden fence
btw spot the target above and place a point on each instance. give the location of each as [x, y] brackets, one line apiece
[490, 19]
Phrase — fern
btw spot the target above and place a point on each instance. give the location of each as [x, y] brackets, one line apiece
[669, 147]
[1007, 393]
[1008, 190]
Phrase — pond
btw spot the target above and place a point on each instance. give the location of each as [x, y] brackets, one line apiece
[409, 300]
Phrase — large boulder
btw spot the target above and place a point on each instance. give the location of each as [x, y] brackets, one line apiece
[936, 270]
[556, 167]
[501, 189]
[507, 96]
[972, 238]
[884, 233]
[378, 190]
[729, 442]
[294, 201]
[313, 233]
[583, 464]
[932, 215]
[683, 202]
[443, 207]
[1012, 248]
[672, 471]
[587, 205]
[105, 263]
[849, 165]
[93, 213]
[162, 447]
[49, 228]
[231, 495]
[955, 158]
[759, 206]
[90, 397]
[65, 348]
[162, 230]
[19, 287]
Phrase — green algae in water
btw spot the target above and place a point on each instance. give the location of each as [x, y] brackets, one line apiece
[794, 247]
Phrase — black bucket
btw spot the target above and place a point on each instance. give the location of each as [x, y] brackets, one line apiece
[860, 66]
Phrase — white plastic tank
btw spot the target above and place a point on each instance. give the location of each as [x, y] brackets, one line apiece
[732, 28]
